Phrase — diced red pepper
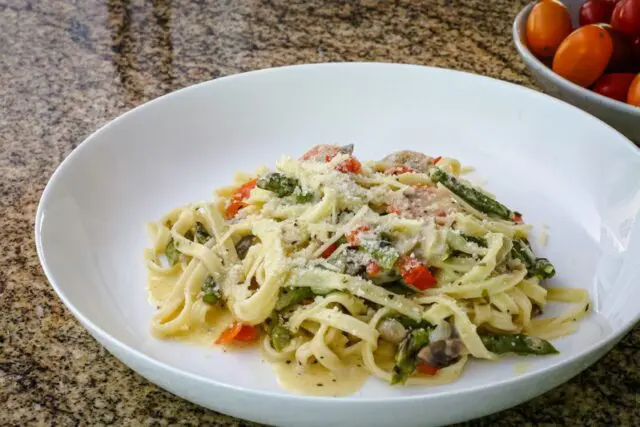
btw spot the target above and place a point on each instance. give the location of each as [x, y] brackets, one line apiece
[237, 332]
[352, 236]
[237, 199]
[247, 333]
[351, 165]
[244, 190]
[426, 369]
[436, 160]
[233, 208]
[517, 217]
[415, 273]
[330, 250]
[373, 269]
[398, 170]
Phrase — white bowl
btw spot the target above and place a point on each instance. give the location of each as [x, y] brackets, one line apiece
[623, 117]
[557, 164]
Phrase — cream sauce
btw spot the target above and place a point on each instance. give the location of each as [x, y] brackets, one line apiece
[317, 380]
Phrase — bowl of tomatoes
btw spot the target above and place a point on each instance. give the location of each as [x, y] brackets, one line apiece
[586, 53]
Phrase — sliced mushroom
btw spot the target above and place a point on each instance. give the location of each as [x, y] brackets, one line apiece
[442, 353]
[413, 159]
[391, 330]
[441, 332]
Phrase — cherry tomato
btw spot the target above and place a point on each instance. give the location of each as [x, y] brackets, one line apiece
[595, 12]
[622, 58]
[626, 18]
[614, 86]
[584, 55]
[635, 54]
[633, 97]
[547, 25]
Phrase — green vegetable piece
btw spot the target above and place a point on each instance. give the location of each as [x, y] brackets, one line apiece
[302, 197]
[280, 337]
[544, 269]
[212, 294]
[292, 296]
[480, 241]
[538, 267]
[382, 251]
[202, 235]
[278, 183]
[475, 198]
[172, 253]
[400, 287]
[518, 344]
[407, 353]
[408, 322]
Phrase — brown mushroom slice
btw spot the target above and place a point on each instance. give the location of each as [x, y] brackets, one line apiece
[442, 353]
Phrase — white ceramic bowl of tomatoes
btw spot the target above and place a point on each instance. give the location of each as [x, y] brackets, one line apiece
[588, 54]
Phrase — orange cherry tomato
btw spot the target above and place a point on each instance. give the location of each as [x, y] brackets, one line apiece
[547, 25]
[584, 55]
[633, 97]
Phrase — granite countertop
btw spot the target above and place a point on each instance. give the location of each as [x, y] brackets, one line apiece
[68, 67]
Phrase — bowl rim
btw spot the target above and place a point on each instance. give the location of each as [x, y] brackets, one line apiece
[102, 336]
[530, 59]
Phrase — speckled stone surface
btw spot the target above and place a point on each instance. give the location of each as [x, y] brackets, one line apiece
[68, 67]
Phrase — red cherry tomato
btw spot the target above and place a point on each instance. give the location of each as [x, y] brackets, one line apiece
[626, 18]
[622, 58]
[633, 97]
[614, 86]
[548, 24]
[596, 12]
[635, 54]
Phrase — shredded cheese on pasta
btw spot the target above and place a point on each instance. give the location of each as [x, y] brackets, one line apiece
[361, 244]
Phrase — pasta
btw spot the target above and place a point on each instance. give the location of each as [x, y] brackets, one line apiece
[339, 270]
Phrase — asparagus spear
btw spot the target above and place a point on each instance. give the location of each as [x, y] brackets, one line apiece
[212, 294]
[280, 184]
[202, 235]
[539, 267]
[283, 186]
[399, 287]
[171, 252]
[407, 353]
[385, 254]
[291, 296]
[518, 344]
[475, 198]
[279, 336]
[480, 241]
[408, 322]
[301, 196]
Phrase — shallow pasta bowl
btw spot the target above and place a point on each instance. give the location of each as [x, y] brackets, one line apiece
[556, 164]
